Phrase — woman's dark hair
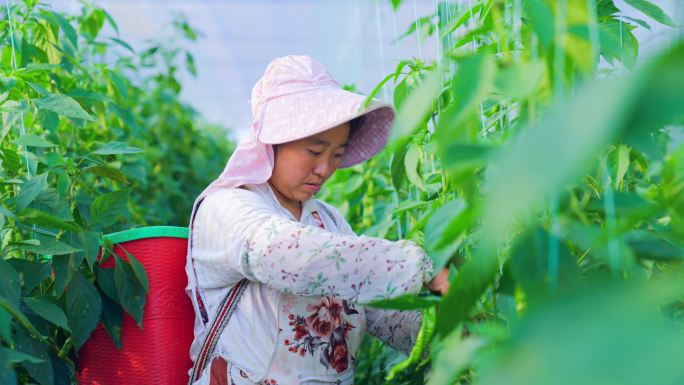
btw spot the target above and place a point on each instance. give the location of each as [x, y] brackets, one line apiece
[354, 125]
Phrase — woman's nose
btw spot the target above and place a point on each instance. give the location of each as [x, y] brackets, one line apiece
[324, 168]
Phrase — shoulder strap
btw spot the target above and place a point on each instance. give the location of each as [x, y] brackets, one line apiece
[225, 310]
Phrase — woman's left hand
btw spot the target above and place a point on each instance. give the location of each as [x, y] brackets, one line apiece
[440, 283]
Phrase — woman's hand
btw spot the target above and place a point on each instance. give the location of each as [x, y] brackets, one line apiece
[440, 283]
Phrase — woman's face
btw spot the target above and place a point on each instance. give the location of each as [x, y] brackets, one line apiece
[301, 167]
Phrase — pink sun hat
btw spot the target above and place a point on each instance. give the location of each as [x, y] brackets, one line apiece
[294, 99]
[297, 98]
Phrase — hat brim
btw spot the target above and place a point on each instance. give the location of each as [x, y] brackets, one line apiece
[297, 116]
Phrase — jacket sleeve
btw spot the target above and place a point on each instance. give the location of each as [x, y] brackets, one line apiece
[251, 239]
[396, 328]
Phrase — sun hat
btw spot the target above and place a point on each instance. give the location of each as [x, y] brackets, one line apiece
[294, 99]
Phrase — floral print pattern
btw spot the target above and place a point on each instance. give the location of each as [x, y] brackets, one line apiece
[324, 331]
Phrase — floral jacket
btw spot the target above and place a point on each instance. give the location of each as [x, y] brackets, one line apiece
[301, 318]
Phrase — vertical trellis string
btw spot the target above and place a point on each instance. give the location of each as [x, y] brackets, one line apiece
[381, 50]
[559, 91]
[418, 28]
[439, 60]
[611, 221]
[14, 65]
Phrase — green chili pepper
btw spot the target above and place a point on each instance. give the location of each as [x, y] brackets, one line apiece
[425, 334]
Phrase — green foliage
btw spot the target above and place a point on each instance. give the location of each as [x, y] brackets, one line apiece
[555, 197]
[94, 140]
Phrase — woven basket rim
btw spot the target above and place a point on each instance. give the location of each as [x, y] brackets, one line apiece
[147, 232]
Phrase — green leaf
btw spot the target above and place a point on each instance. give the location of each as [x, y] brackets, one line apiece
[107, 172]
[89, 243]
[38, 88]
[7, 373]
[464, 157]
[129, 289]
[16, 357]
[11, 160]
[33, 140]
[542, 19]
[190, 64]
[377, 89]
[41, 372]
[119, 83]
[418, 105]
[32, 273]
[113, 148]
[622, 165]
[139, 271]
[112, 316]
[651, 10]
[5, 325]
[83, 308]
[454, 358]
[41, 218]
[122, 43]
[618, 43]
[406, 302]
[30, 190]
[398, 167]
[50, 246]
[47, 309]
[444, 230]
[466, 14]
[65, 266]
[108, 208]
[52, 202]
[648, 245]
[66, 27]
[395, 4]
[105, 280]
[63, 105]
[9, 283]
[519, 80]
[411, 162]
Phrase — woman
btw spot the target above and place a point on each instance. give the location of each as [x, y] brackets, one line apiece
[277, 278]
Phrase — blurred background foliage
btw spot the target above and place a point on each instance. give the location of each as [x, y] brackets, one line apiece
[94, 140]
[543, 164]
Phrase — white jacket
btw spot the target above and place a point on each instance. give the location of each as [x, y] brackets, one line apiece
[300, 320]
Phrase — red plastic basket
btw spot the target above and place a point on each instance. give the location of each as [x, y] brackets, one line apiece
[159, 353]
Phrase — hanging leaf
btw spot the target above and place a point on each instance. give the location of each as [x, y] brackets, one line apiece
[9, 284]
[411, 162]
[406, 302]
[45, 308]
[651, 10]
[113, 148]
[30, 190]
[130, 290]
[112, 317]
[83, 307]
[32, 140]
[139, 271]
[11, 160]
[63, 105]
[40, 371]
[107, 172]
[108, 208]
[420, 102]
[50, 246]
[41, 218]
